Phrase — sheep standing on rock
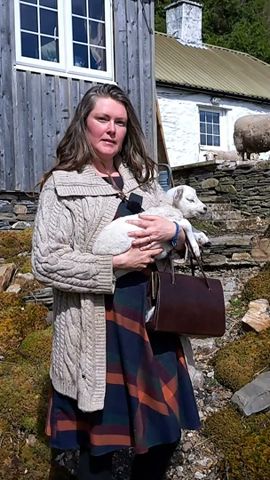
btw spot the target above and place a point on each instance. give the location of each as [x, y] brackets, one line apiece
[252, 134]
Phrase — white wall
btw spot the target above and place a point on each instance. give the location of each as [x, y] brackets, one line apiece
[180, 119]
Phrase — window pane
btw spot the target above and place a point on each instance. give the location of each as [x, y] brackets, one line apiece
[79, 7]
[34, 2]
[209, 116]
[29, 45]
[49, 49]
[202, 116]
[216, 117]
[48, 22]
[209, 140]
[48, 3]
[29, 18]
[216, 129]
[97, 33]
[209, 128]
[216, 141]
[96, 9]
[98, 58]
[203, 139]
[80, 54]
[79, 28]
[202, 127]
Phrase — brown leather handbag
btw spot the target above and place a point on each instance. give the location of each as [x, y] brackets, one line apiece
[187, 304]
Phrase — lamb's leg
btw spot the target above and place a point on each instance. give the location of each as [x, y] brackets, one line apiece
[186, 225]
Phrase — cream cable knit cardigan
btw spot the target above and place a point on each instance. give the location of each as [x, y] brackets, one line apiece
[73, 208]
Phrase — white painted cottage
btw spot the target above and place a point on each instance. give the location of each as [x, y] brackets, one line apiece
[202, 89]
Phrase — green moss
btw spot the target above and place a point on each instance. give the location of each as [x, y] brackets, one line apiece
[17, 319]
[37, 346]
[258, 286]
[14, 242]
[245, 443]
[24, 394]
[237, 363]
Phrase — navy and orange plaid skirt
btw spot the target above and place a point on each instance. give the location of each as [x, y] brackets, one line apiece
[149, 397]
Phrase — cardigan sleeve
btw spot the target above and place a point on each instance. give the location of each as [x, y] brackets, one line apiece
[55, 261]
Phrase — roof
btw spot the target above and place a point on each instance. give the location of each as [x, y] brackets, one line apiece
[212, 68]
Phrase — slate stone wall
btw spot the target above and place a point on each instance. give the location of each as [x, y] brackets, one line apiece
[244, 185]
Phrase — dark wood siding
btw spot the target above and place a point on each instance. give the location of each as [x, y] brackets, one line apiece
[35, 108]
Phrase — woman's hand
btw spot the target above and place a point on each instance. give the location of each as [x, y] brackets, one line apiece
[154, 229]
[135, 258]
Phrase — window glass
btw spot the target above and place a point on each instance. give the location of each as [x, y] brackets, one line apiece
[29, 19]
[48, 22]
[79, 7]
[203, 139]
[97, 33]
[33, 2]
[49, 49]
[209, 128]
[29, 45]
[96, 9]
[48, 3]
[79, 28]
[98, 58]
[80, 54]
[202, 116]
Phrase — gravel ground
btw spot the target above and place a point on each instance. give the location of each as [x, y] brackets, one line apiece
[196, 458]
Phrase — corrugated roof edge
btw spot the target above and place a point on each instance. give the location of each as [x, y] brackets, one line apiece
[208, 45]
[203, 89]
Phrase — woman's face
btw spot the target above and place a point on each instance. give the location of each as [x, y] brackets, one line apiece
[106, 127]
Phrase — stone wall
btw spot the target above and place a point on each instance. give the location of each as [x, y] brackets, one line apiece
[238, 198]
[17, 210]
[243, 185]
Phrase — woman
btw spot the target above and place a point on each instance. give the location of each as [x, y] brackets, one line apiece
[113, 384]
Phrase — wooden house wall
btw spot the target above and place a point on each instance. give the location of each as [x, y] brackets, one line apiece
[35, 108]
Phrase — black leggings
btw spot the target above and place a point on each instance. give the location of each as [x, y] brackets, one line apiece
[151, 465]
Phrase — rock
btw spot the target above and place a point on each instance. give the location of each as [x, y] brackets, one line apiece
[255, 396]
[6, 272]
[43, 295]
[5, 206]
[14, 288]
[20, 209]
[21, 225]
[239, 257]
[261, 249]
[25, 278]
[258, 315]
[210, 183]
[226, 189]
[31, 440]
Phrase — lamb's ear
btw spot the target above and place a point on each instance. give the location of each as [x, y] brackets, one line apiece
[178, 194]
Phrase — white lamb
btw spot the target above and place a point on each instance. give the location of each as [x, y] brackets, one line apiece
[182, 202]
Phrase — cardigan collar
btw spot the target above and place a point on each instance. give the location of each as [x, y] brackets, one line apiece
[89, 183]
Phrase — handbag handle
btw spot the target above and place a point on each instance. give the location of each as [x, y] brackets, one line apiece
[198, 260]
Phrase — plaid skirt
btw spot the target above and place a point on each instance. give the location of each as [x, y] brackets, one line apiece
[149, 397]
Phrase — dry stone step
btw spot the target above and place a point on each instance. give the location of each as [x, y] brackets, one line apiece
[42, 295]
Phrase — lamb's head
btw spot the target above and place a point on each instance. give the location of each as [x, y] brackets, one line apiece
[186, 200]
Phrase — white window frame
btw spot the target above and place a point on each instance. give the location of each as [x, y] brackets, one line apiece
[223, 132]
[65, 65]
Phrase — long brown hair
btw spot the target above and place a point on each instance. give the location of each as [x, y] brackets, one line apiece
[74, 152]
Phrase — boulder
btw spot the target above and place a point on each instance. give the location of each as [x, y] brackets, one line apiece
[6, 272]
[258, 315]
[255, 396]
